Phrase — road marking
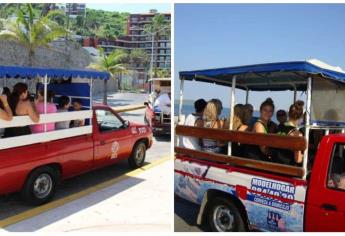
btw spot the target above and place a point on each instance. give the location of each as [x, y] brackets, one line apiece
[60, 202]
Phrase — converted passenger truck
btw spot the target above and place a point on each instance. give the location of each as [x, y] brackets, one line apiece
[159, 121]
[34, 164]
[240, 194]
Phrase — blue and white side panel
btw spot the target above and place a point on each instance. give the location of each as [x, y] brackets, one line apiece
[266, 213]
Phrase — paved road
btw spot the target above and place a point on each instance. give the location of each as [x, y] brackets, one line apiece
[12, 205]
[141, 202]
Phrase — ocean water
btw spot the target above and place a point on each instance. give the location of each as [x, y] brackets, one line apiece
[189, 108]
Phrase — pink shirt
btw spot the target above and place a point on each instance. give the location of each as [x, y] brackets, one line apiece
[51, 108]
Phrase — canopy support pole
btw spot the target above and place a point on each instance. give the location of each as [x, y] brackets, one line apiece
[232, 105]
[307, 127]
[327, 132]
[91, 97]
[181, 100]
[45, 99]
[247, 96]
[294, 94]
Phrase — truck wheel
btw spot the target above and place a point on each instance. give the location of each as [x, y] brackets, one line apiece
[40, 186]
[137, 157]
[224, 216]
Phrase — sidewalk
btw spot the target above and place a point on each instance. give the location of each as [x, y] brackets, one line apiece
[141, 202]
[122, 99]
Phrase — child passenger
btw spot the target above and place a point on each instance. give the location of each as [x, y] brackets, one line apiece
[77, 106]
[63, 107]
[290, 128]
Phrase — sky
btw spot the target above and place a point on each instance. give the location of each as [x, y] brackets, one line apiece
[131, 7]
[223, 35]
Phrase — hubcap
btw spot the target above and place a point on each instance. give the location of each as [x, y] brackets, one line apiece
[43, 185]
[223, 219]
[139, 157]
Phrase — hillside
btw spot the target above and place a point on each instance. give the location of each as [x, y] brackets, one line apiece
[95, 23]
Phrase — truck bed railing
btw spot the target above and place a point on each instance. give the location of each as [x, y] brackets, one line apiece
[271, 140]
[20, 121]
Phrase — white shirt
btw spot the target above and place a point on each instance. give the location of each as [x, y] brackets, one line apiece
[163, 103]
[188, 141]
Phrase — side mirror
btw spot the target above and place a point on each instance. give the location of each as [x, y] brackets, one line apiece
[126, 124]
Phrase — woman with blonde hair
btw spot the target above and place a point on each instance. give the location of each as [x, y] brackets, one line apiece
[211, 120]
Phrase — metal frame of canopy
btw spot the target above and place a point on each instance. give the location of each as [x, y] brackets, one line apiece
[25, 73]
[234, 77]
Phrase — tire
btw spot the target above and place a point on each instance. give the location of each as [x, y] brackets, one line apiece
[138, 155]
[224, 216]
[44, 177]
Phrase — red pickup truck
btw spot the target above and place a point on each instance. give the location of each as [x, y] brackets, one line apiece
[239, 199]
[36, 169]
[237, 193]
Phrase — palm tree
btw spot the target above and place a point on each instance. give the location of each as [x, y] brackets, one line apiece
[157, 28]
[139, 56]
[32, 33]
[113, 64]
[162, 73]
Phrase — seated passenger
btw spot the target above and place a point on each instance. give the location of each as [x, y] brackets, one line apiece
[21, 106]
[249, 110]
[240, 119]
[51, 108]
[163, 103]
[261, 126]
[63, 106]
[337, 181]
[77, 106]
[192, 142]
[154, 95]
[242, 115]
[281, 117]
[5, 110]
[211, 120]
[290, 128]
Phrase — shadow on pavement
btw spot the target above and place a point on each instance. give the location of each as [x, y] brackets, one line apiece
[12, 205]
[73, 207]
[163, 138]
[186, 214]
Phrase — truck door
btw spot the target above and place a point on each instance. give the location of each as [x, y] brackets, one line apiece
[326, 199]
[112, 141]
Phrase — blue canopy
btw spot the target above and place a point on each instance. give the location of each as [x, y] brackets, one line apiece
[271, 76]
[33, 72]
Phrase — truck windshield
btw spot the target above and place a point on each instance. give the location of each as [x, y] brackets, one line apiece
[108, 121]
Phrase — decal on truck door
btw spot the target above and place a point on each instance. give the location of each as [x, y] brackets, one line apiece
[114, 149]
[282, 190]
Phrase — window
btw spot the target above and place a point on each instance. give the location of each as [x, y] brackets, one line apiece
[336, 172]
[107, 121]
